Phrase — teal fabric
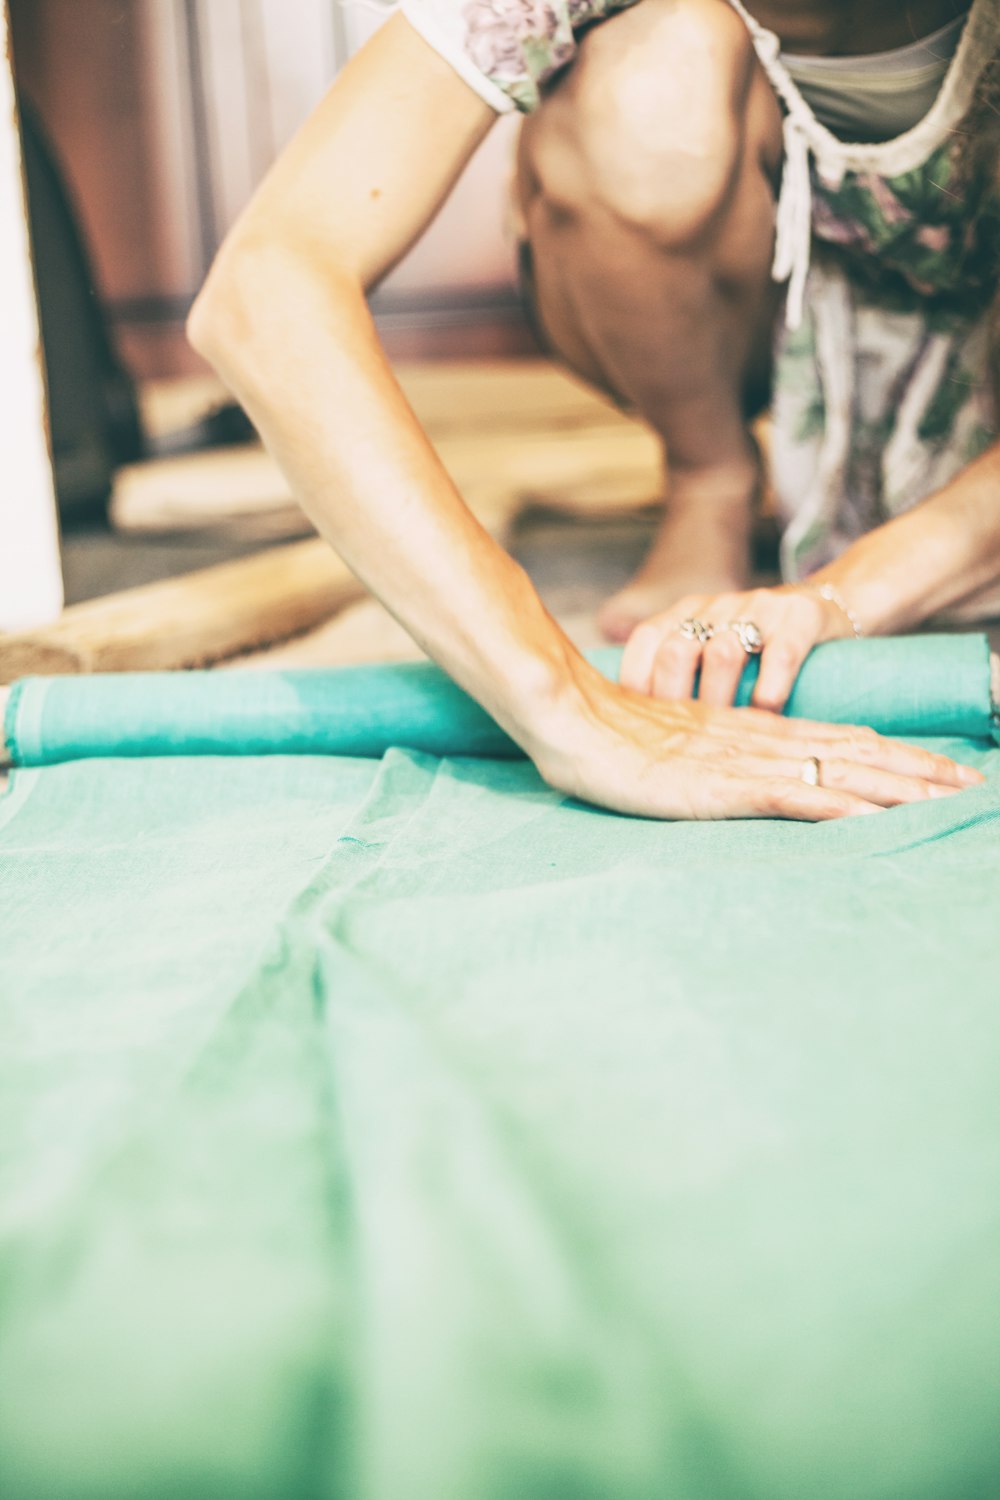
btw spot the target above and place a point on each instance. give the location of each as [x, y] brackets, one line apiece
[906, 686]
[397, 1129]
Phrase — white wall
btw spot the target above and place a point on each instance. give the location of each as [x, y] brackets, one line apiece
[467, 246]
[30, 576]
[266, 64]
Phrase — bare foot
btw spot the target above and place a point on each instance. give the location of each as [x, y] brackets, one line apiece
[702, 545]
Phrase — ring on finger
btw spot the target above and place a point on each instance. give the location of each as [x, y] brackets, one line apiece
[749, 635]
[696, 630]
[810, 772]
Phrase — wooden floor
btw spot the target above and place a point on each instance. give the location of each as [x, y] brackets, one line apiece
[569, 483]
[566, 481]
[560, 476]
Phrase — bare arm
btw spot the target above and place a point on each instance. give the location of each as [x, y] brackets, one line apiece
[931, 559]
[284, 320]
[942, 558]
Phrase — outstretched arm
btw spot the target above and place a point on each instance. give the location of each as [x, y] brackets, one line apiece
[283, 318]
[942, 558]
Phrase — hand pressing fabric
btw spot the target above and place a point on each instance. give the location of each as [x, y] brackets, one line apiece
[634, 754]
[714, 635]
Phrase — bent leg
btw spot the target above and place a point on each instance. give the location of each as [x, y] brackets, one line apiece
[647, 185]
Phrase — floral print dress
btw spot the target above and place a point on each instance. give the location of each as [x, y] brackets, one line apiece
[884, 371]
[884, 383]
[507, 49]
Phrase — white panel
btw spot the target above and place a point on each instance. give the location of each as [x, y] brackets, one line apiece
[299, 45]
[234, 171]
[468, 245]
[30, 576]
[360, 19]
[267, 63]
[167, 77]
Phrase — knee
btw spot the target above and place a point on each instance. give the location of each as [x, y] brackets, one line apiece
[649, 126]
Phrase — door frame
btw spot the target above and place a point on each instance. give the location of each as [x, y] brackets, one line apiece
[31, 586]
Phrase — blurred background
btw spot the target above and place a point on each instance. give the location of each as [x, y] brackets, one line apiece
[146, 126]
[163, 115]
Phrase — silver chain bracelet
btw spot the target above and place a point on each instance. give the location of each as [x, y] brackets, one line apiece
[833, 596]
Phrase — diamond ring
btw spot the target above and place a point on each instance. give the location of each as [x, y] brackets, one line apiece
[749, 636]
[696, 630]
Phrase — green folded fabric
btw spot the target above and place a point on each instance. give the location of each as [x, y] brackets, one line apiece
[930, 685]
[391, 1127]
[401, 1130]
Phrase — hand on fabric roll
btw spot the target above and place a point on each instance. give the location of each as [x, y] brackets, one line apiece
[634, 754]
[664, 662]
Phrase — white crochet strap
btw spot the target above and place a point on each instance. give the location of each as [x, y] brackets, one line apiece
[793, 228]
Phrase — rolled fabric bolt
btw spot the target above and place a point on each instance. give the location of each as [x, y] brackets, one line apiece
[914, 685]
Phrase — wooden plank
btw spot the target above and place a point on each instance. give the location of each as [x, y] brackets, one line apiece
[190, 621]
[361, 634]
[448, 396]
[587, 469]
[206, 616]
[583, 458]
[502, 395]
[241, 488]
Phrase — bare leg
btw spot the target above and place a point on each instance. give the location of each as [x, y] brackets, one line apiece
[647, 185]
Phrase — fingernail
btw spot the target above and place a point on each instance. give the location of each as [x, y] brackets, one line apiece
[936, 790]
[971, 776]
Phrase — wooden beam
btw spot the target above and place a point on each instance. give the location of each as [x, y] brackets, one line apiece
[200, 618]
[210, 615]
[481, 396]
[587, 469]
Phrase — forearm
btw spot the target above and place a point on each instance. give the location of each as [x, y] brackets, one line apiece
[297, 346]
[928, 560]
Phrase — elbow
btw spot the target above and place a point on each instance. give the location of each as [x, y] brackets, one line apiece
[258, 289]
[201, 319]
[220, 319]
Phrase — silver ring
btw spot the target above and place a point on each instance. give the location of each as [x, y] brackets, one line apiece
[749, 636]
[810, 771]
[696, 630]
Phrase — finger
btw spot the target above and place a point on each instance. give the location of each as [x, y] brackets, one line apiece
[787, 643]
[865, 747]
[882, 788]
[724, 795]
[808, 804]
[760, 729]
[888, 788]
[723, 664]
[676, 667]
[871, 752]
[780, 663]
[636, 670]
[639, 656]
